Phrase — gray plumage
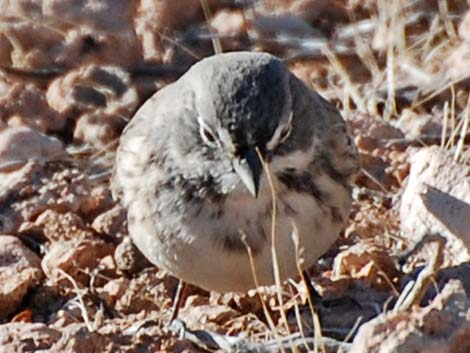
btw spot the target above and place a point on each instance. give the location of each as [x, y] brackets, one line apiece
[188, 172]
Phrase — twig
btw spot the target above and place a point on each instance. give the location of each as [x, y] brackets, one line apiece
[82, 307]
[415, 290]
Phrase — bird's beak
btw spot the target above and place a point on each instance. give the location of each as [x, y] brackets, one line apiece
[248, 168]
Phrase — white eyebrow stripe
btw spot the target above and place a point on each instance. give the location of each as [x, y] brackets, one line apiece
[275, 139]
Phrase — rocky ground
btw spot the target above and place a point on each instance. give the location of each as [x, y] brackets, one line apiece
[73, 72]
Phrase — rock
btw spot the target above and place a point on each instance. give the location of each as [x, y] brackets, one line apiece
[31, 337]
[230, 26]
[144, 292]
[69, 32]
[104, 15]
[199, 313]
[35, 187]
[372, 131]
[23, 143]
[154, 17]
[437, 200]
[369, 262]
[12, 183]
[103, 95]
[94, 87]
[420, 126]
[99, 200]
[26, 103]
[114, 290]
[229, 23]
[378, 168]
[98, 129]
[128, 258]
[443, 326]
[377, 159]
[20, 270]
[62, 226]
[6, 48]
[112, 223]
[109, 337]
[78, 338]
[74, 257]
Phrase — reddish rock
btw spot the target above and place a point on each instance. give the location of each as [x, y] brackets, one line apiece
[368, 262]
[128, 258]
[27, 103]
[74, 257]
[69, 32]
[6, 48]
[443, 326]
[20, 270]
[97, 201]
[23, 143]
[104, 88]
[99, 129]
[62, 226]
[32, 337]
[112, 222]
[154, 17]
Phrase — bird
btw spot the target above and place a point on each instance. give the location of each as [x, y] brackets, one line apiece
[232, 171]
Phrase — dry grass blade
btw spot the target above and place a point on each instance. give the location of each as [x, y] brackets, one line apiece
[263, 303]
[396, 47]
[448, 25]
[349, 88]
[91, 327]
[179, 45]
[445, 113]
[463, 133]
[216, 44]
[277, 277]
[298, 318]
[415, 290]
[319, 344]
[269, 319]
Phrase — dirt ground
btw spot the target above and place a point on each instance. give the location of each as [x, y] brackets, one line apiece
[73, 73]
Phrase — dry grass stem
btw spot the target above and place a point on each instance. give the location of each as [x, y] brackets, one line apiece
[91, 327]
[463, 133]
[277, 276]
[216, 43]
[415, 290]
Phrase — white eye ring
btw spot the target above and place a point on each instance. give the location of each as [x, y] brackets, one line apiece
[285, 133]
[206, 133]
[281, 135]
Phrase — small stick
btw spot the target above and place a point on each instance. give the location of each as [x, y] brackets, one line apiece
[177, 301]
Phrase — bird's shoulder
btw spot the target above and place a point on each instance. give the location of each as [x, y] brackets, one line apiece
[145, 140]
[334, 143]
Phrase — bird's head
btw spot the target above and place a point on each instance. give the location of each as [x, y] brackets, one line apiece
[243, 110]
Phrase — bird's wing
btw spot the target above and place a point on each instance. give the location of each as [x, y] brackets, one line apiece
[335, 148]
[142, 146]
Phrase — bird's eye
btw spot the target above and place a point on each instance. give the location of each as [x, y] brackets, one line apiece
[285, 133]
[208, 135]
[281, 135]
